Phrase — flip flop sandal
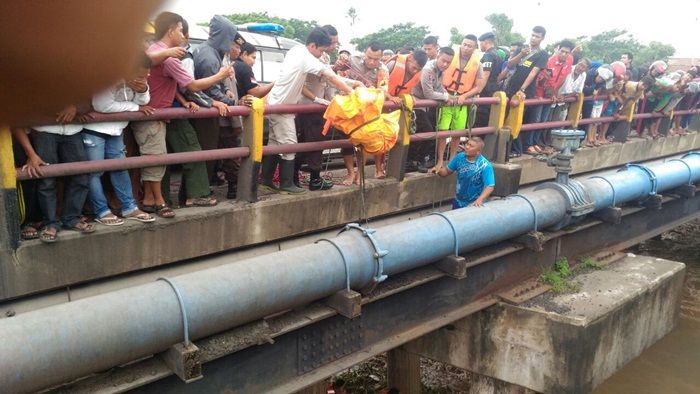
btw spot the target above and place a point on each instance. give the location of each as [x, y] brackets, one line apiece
[110, 220]
[142, 217]
[164, 211]
[29, 232]
[202, 202]
[83, 228]
[48, 237]
[148, 208]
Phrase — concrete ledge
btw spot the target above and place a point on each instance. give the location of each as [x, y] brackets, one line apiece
[612, 155]
[196, 232]
[568, 343]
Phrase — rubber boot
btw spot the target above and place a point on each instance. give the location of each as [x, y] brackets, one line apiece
[297, 172]
[232, 190]
[287, 185]
[269, 164]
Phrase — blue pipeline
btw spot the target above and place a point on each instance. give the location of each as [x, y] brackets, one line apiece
[60, 343]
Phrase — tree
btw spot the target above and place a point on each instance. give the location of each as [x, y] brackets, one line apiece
[502, 26]
[352, 15]
[293, 28]
[394, 37]
[608, 45]
[455, 36]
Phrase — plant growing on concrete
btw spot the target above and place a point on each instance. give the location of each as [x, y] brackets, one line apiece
[589, 262]
[556, 277]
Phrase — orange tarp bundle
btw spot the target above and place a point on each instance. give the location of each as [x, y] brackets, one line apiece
[359, 115]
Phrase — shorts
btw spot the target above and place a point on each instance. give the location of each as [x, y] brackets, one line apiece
[150, 136]
[453, 118]
[610, 109]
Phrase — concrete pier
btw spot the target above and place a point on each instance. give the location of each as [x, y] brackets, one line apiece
[566, 343]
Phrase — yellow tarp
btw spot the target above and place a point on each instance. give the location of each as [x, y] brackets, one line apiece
[359, 115]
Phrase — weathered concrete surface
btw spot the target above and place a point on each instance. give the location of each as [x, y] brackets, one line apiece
[612, 155]
[568, 343]
[197, 232]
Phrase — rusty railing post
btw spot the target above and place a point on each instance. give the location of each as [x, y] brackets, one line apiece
[396, 167]
[252, 137]
[9, 213]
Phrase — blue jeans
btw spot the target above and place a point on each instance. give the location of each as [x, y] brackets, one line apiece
[532, 115]
[100, 147]
[56, 148]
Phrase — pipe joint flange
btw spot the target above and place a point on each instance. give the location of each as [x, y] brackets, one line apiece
[648, 171]
[183, 310]
[452, 226]
[379, 253]
[690, 170]
[578, 201]
[532, 206]
[342, 256]
[612, 187]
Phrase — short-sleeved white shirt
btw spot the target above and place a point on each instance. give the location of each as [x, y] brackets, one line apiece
[297, 63]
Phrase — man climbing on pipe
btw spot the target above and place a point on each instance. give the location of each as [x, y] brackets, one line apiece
[475, 179]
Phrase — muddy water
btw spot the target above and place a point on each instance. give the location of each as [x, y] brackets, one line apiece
[672, 365]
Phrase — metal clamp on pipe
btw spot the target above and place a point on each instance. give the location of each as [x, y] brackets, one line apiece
[181, 301]
[454, 230]
[379, 253]
[532, 206]
[345, 261]
[612, 187]
[690, 170]
[646, 170]
[346, 302]
[184, 359]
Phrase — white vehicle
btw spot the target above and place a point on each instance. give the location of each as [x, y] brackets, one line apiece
[271, 49]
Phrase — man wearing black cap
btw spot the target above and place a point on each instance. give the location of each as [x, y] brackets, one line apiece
[491, 64]
[219, 133]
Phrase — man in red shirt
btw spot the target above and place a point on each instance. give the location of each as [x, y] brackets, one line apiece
[163, 82]
[559, 66]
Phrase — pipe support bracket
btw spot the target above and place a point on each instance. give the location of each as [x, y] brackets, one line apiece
[452, 226]
[183, 310]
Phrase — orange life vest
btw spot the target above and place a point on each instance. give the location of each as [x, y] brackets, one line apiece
[398, 76]
[461, 81]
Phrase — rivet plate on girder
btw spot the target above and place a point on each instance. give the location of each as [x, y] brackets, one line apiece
[328, 341]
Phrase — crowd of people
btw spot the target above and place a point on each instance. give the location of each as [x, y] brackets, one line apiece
[218, 74]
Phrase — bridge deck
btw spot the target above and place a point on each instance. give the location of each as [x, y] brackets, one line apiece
[36, 267]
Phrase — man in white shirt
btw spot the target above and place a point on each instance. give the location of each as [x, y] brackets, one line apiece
[298, 62]
[572, 86]
[61, 143]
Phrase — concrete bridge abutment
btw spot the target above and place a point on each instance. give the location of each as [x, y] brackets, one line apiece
[567, 343]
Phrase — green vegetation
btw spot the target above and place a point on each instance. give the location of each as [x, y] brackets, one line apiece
[556, 277]
[502, 26]
[394, 37]
[293, 28]
[605, 46]
[588, 262]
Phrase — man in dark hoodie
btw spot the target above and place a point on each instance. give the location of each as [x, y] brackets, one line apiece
[218, 133]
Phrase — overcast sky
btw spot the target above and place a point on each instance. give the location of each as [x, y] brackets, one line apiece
[677, 25]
